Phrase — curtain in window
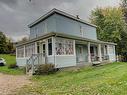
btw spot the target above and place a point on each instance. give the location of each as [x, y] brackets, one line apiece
[64, 46]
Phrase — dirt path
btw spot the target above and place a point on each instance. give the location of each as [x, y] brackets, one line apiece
[10, 83]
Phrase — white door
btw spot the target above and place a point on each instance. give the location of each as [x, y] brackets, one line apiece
[79, 54]
[42, 51]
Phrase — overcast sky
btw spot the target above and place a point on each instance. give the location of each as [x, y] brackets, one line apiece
[15, 15]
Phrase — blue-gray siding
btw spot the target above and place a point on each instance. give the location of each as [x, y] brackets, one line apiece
[46, 26]
[61, 24]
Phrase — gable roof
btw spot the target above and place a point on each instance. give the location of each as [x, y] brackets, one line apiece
[53, 11]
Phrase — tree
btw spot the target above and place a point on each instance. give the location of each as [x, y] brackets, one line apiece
[24, 39]
[2, 43]
[111, 26]
[124, 8]
[6, 45]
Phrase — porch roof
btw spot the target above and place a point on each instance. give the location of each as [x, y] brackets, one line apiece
[63, 35]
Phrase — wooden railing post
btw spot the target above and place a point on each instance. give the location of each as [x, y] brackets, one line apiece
[32, 66]
[26, 66]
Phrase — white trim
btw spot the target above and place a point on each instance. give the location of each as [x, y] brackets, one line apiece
[73, 43]
[47, 47]
[35, 47]
[24, 51]
[23, 58]
[89, 55]
[99, 52]
[16, 53]
[74, 47]
[65, 55]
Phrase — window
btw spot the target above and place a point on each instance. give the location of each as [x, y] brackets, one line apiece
[20, 52]
[29, 49]
[81, 31]
[111, 50]
[59, 47]
[43, 48]
[68, 47]
[50, 46]
[38, 47]
[64, 47]
[36, 31]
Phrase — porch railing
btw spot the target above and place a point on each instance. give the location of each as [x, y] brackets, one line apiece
[34, 61]
[96, 58]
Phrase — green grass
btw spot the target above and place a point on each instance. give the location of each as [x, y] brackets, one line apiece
[110, 79]
[10, 59]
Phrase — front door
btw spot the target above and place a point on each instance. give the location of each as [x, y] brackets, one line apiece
[41, 50]
[79, 54]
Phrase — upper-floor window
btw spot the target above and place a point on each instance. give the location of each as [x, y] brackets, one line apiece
[36, 31]
[81, 30]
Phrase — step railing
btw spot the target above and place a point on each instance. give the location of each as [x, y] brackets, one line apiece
[34, 61]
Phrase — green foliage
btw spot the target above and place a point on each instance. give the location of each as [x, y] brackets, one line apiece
[111, 26]
[124, 8]
[10, 60]
[12, 66]
[110, 79]
[45, 69]
[6, 46]
[2, 43]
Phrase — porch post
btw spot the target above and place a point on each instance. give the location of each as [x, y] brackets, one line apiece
[104, 50]
[99, 52]
[35, 47]
[89, 55]
[16, 52]
[24, 51]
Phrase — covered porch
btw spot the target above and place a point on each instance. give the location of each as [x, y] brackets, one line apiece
[64, 51]
[90, 52]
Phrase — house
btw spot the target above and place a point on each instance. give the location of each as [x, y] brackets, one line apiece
[63, 40]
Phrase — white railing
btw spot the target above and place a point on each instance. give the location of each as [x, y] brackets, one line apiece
[34, 61]
[96, 58]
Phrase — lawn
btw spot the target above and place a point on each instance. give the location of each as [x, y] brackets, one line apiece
[110, 79]
[10, 59]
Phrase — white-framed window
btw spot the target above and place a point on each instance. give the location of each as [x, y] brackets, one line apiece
[64, 46]
[20, 52]
[111, 49]
[29, 49]
[50, 46]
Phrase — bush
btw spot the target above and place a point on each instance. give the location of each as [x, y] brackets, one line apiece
[12, 66]
[45, 69]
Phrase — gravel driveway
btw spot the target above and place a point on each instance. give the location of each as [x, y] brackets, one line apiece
[9, 84]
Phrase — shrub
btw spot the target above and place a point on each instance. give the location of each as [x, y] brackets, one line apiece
[12, 66]
[45, 69]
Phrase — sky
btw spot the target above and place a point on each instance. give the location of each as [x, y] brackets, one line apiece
[15, 15]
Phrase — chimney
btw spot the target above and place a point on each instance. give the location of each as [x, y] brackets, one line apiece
[77, 16]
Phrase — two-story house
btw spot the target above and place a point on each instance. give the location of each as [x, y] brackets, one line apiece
[63, 40]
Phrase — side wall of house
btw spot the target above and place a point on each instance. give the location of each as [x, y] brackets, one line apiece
[63, 60]
[45, 26]
[72, 27]
[61, 24]
[21, 61]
